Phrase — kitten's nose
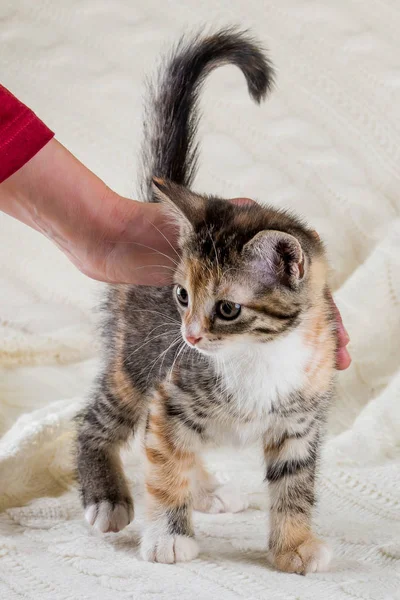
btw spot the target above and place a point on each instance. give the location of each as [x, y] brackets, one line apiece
[193, 340]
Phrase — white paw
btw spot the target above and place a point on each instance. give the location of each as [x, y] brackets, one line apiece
[168, 548]
[319, 560]
[105, 517]
[222, 500]
[311, 556]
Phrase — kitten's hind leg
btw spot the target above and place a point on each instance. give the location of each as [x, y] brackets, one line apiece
[104, 426]
[209, 496]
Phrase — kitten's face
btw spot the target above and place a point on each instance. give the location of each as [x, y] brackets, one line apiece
[246, 271]
[224, 307]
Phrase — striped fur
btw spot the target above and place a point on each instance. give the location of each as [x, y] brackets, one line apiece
[267, 374]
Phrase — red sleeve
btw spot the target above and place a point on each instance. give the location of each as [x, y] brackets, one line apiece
[22, 134]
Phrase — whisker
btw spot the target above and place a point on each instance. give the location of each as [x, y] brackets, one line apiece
[144, 246]
[178, 338]
[175, 359]
[162, 354]
[155, 250]
[165, 238]
[171, 325]
[153, 266]
[145, 344]
[155, 312]
[186, 349]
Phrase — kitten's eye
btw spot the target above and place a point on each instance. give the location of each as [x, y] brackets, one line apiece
[182, 295]
[228, 310]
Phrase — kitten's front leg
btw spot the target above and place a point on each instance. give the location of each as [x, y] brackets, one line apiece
[291, 463]
[170, 468]
[104, 425]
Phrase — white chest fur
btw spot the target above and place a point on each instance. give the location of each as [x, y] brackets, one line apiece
[259, 376]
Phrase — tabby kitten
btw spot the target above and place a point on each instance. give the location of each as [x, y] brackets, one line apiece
[257, 358]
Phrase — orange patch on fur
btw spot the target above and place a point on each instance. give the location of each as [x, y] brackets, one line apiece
[169, 495]
[320, 376]
[288, 531]
[199, 280]
[155, 456]
[119, 382]
[320, 336]
[160, 429]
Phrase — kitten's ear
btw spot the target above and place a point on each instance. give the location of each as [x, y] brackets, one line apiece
[188, 208]
[277, 256]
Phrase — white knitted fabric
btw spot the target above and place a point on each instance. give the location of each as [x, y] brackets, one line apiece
[326, 144]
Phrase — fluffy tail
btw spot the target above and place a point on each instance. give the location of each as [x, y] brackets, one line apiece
[171, 116]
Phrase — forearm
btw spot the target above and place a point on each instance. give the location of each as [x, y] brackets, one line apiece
[53, 193]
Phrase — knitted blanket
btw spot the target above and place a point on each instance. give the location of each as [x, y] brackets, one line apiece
[327, 145]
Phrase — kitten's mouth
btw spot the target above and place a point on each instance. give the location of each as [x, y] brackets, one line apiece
[198, 340]
[204, 346]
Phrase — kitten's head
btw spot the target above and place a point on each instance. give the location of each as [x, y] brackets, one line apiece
[247, 272]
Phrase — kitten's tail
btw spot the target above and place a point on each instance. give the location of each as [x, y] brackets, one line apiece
[171, 118]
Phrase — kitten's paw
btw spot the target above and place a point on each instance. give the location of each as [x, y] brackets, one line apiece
[168, 548]
[222, 500]
[310, 557]
[106, 517]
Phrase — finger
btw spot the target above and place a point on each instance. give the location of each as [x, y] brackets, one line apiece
[242, 201]
[343, 359]
[343, 336]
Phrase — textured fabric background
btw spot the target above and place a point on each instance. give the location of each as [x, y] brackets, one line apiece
[326, 144]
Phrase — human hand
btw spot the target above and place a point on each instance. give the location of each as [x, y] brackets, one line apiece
[343, 358]
[131, 242]
[106, 236]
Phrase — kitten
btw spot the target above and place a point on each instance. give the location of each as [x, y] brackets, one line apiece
[257, 359]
